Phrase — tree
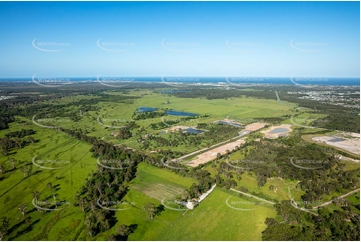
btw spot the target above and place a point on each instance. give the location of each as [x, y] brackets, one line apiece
[98, 186]
[92, 205]
[3, 232]
[186, 195]
[82, 202]
[5, 221]
[123, 231]
[54, 197]
[36, 195]
[31, 139]
[112, 238]
[12, 162]
[22, 208]
[219, 156]
[151, 210]
[24, 170]
[4, 150]
[270, 221]
[30, 170]
[2, 169]
[49, 185]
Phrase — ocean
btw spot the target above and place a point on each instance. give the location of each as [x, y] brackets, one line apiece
[201, 80]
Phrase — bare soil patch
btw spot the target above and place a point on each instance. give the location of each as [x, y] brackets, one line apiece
[255, 126]
[351, 144]
[212, 154]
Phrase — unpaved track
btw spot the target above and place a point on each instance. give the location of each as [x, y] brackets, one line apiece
[250, 195]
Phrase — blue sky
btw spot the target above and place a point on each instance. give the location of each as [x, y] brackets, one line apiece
[133, 39]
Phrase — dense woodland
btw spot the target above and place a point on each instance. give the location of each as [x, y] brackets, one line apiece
[338, 225]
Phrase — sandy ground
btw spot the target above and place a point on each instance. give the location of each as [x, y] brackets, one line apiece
[175, 128]
[350, 144]
[255, 126]
[273, 136]
[349, 159]
[212, 154]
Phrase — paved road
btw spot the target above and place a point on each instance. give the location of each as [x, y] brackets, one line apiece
[278, 98]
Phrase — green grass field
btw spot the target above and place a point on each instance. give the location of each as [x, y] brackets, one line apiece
[223, 215]
[67, 179]
[212, 219]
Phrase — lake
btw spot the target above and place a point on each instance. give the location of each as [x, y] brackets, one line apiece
[177, 113]
[142, 109]
[279, 130]
[194, 131]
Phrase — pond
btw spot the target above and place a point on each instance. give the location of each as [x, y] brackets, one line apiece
[194, 131]
[177, 113]
[336, 139]
[142, 109]
[279, 130]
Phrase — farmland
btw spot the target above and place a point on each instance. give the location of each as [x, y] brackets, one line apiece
[53, 162]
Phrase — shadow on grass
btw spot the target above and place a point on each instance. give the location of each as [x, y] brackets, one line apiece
[27, 229]
[131, 228]
[36, 172]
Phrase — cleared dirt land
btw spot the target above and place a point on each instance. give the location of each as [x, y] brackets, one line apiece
[346, 141]
[212, 154]
[255, 126]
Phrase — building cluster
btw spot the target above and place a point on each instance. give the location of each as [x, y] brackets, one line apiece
[349, 99]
